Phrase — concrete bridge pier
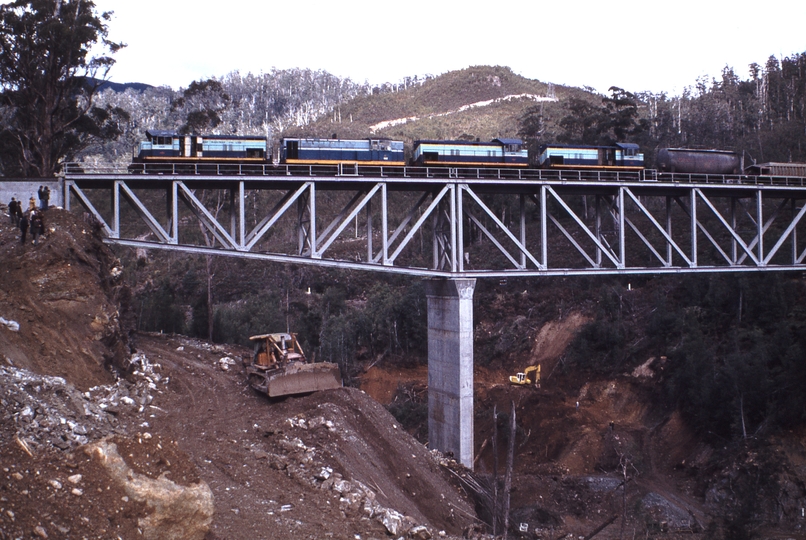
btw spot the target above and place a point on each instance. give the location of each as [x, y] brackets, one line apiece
[450, 366]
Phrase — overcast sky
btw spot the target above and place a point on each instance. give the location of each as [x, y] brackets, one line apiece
[656, 46]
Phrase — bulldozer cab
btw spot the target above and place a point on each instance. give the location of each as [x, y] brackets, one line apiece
[280, 348]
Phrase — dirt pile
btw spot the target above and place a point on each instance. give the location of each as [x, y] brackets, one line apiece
[331, 463]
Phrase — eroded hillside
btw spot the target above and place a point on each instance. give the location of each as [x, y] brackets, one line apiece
[180, 447]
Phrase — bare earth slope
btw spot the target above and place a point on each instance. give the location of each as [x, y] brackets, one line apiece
[64, 294]
[329, 465]
[262, 457]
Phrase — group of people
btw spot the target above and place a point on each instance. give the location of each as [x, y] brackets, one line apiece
[33, 218]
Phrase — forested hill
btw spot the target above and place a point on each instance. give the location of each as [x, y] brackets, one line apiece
[762, 115]
[478, 102]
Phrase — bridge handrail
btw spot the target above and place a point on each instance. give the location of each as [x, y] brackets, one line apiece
[459, 173]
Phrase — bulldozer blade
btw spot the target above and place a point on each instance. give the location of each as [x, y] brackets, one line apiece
[304, 378]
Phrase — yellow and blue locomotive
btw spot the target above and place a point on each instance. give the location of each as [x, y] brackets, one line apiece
[172, 147]
[496, 153]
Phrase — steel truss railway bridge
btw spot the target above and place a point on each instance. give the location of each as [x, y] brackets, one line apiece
[431, 223]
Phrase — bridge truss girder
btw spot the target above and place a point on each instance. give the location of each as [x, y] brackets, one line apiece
[435, 227]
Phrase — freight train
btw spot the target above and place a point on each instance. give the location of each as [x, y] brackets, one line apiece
[172, 148]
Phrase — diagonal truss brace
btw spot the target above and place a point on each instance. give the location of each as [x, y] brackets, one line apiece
[344, 220]
[729, 228]
[785, 235]
[145, 215]
[420, 221]
[273, 216]
[764, 229]
[669, 240]
[464, 188]
[384, 253]
[206, 218]
[75, 190]
[597, 241]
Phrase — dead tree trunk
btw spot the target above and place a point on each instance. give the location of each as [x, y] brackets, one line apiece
[210, 276]
[508, 476]
[624, 463]
[601, 527]
[495, 471]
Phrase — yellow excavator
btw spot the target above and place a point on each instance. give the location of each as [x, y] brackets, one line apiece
[279, 367]
[529, 376]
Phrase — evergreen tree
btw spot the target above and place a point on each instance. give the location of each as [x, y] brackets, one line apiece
[49, 81]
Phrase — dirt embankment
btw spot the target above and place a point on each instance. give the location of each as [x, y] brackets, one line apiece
[180, 447]
[65, 295]
[578, 436]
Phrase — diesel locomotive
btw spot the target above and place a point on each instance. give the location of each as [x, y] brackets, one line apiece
[621, 156]
[496, 153]
[296, 151]
[171, 147]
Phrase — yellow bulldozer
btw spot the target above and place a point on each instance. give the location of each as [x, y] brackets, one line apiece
[279, 367]
[529, 376]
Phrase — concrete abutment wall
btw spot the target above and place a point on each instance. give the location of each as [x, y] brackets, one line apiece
[23, 189]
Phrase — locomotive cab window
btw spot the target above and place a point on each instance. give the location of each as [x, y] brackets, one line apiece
[384, 146]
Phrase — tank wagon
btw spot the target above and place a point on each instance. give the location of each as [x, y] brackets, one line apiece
[692, 161]
[496, 153]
